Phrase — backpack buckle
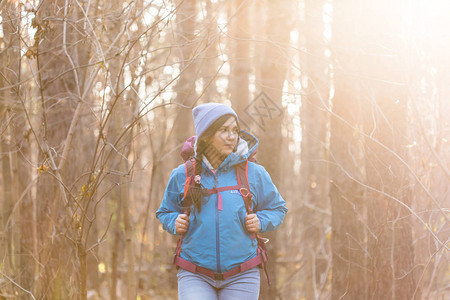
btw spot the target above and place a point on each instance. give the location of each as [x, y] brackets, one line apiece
[218, 276]
[265, 240]
[244, 192]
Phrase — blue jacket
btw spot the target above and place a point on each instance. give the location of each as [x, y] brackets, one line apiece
[218, 239]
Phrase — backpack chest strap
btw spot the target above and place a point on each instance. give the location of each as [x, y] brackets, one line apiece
[217, 191]
[242, 180]
[222, 189]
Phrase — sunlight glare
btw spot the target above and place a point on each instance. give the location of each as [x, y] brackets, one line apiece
[222, 22]
[226, 69]
[251, 84]
[199, 85]
[150, 16]
[168, 70]
[101, 267]
[426, 16]
[327, 19]
[294, 36]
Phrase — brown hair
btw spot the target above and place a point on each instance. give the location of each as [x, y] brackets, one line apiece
[203, 142]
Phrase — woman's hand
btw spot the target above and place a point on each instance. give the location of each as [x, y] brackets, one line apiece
[182, 224]
[252, 223]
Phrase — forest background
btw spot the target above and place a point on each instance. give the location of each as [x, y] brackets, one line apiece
[349, 98]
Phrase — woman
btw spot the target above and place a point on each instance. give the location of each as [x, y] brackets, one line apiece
[218, 233]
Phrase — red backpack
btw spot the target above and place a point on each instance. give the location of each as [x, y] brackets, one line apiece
[244, 188]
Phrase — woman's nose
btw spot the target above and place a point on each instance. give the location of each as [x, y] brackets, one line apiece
[231, 134]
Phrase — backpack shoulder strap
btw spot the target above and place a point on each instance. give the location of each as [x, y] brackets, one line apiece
[189, 168]
[242, 177]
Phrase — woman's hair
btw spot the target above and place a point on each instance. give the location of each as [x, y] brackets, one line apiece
[203, 142]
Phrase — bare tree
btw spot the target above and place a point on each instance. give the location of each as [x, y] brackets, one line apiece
[210, 66]
[390, 250]
[241, 32]
[346, 195]
[313, 212]
[14, 144]
[270, 80]
[188, 50]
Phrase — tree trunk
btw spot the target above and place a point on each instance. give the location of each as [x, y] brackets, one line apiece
[58, 90]
[7, 200]
[115, 247]
[186, 84]
[129, 238]
[346, 168]
[313, 223]
[130, 244]
[16, 150]
[391, 250]
[240, 60]
[274, 66]
[209, 69]
[6, 83]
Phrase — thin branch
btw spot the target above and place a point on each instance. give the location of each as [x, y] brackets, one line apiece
[433, 151]
[102, 239]
[18, 285]
[392, 198]
[403, 162]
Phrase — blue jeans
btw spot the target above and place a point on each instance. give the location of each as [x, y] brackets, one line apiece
[193, 286]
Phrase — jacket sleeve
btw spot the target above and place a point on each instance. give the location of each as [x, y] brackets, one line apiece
[171, 205]
[270, 206]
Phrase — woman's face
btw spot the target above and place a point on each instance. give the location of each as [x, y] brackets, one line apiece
[226, 137]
